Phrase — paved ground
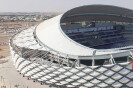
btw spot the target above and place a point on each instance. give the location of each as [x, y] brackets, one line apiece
[10, 77]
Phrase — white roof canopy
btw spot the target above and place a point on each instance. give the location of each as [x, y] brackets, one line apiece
[50, 34]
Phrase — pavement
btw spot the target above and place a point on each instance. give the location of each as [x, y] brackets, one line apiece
[10, 78]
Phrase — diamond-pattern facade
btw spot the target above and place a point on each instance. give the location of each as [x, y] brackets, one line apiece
[75, 77]
[115, 75]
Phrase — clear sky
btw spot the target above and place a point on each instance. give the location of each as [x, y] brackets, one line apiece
[55, 5]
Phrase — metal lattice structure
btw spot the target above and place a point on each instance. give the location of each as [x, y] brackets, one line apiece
[114, 75]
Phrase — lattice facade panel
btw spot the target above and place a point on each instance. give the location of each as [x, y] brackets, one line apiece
[113, 75]
[117, 75]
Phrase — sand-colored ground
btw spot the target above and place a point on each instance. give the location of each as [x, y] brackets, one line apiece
[10, 78]
[4, 50]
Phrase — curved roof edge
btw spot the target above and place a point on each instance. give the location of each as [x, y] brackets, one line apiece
[50, 33]
[98, 8]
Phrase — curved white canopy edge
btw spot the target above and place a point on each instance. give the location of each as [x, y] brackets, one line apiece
[49, 33]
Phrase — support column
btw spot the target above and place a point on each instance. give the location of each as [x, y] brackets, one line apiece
[112, 59]
[93, 60]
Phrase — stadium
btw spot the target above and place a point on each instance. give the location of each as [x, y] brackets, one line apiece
[87, 46]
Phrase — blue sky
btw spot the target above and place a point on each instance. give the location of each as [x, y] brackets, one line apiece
[55, 5]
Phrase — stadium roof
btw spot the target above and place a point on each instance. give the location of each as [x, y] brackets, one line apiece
[99, 13]
[50, 33]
